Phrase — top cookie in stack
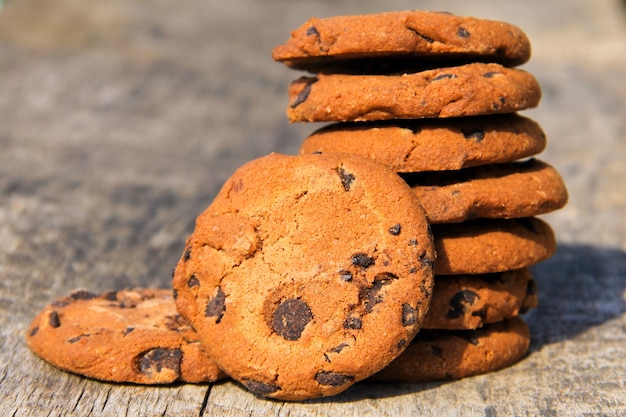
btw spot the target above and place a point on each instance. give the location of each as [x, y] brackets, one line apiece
[436, 97]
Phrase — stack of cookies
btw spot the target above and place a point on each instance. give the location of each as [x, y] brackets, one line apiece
[435, 98]
[310, 273]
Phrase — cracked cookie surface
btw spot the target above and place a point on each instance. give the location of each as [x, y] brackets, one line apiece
[466, 90]
[433, 144]
[307, 273]
[132, 335]
[329, 44]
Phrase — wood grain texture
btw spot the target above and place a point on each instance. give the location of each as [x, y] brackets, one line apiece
[121, 120]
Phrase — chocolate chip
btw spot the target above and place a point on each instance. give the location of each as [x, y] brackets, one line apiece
[361, 259]
[395, 229]
[346, 178]
[128, 330]
[476, 134]
[459, 303]
[444, 76]
[216, 306]
[426, 38]
[502, 100]
[482, 313]
[53, 319]
[109, 295]
[157, 359]
[82, 295]
[290, 318]
[436, 351]
[413, 242]
[175, 294]
[33, 331]
[260, 388]
[353, 323]
[187, 254]
[338, 349]
[425, 261]
[312, 31]
[372, 295]
[304, 94]
[77, 338]
[461, 32]
[409, 315]
[491, 74]
[333, 378]
[193, 281]
[345, 275]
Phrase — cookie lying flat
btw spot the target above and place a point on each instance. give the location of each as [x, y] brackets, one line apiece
[454, 354]
[125, 336]
[494, 245]
[471, 301]
[415, 35]
[433, 144]
[307, 273]
[517, 189]
[467, 90]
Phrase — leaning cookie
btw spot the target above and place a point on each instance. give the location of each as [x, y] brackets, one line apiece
[412, 36]
[492, 245]
[504, 191]
[433, 144]
[467, 90]
[307, 273]
[132, 335]
[463, 302]
[454, 354]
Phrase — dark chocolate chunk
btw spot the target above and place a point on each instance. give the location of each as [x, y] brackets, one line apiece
[482, 313]
[372, 295]
[216, 306]
[109, 295]
[193, 281]
[82, 295]
[461, 32]
[426, 38]
[361, 259]
[491, 74]
[333, 378]
[128, 330]
[346, 178]
[436, 351]
[304, 94]
[175, 294]
[312, 31]
[409, 315]
[476, 134]
[290, 318]
[425, 261]
[338, 349]
[53, 319]
[413, 242]
[345, 275]
[444, 76]
[187, 254]
[353, 323]
[395, 229]
[33, 331]
[459, 303]
[77, 338]
[155, 360]
[260, 388]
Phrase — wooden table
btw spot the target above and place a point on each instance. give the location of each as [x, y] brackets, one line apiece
[121, 120]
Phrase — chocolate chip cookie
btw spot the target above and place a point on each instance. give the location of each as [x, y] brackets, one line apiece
[132, 335]
[468, 90]
[454, 354]
[492, 245]
[517, 189]
[471, 301]
[307, 273]
[411, 37]
[433, 144]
